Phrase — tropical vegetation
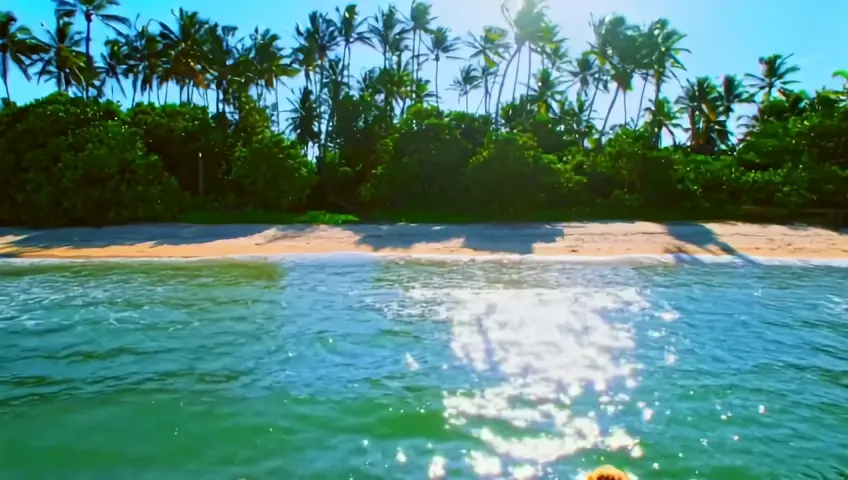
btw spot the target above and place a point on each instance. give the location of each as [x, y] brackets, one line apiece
[175, 116]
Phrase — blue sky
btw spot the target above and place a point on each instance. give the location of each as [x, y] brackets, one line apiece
[725, 36]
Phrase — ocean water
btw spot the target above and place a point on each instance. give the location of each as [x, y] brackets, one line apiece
[327, 368]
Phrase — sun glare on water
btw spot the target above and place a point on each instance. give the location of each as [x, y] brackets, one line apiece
[556, 370]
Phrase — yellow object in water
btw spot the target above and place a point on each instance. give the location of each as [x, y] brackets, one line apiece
[607, 472]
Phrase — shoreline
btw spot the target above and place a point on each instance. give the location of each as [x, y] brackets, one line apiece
[589, 240]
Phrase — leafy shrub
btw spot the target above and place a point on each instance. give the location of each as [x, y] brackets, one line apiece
[425, 165]
[511, 175]
[271, 173]
[68, 162]
[183, 136]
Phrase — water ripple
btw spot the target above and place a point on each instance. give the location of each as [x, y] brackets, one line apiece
[412, 368]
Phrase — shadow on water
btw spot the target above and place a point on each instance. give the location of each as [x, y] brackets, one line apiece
[702, 237]
[490, 238]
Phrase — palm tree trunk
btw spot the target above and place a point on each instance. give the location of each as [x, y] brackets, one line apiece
[515, 82]
[466, 103]
[414, 58]
[641, 99]
[420, 44]
[342, 72]
[497, 112]
[88, 38]
[609, 112]
[529, 69]
[485, 95]
[693, 127]
[482, 101]
[277, 99]
[624, 98]
[5, 61]
[594, 96]
[437, 84]
[657, 86]
[89, 63]
[349, 53]
[670, 132]
[319, 162]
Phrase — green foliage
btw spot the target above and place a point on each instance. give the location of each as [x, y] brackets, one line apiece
[376, 143]
[66, 161]
[271, 173]
[512, 175]
[628, 172]
[426, 161]
[183, 136]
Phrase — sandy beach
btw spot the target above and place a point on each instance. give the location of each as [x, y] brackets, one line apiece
[570, 239]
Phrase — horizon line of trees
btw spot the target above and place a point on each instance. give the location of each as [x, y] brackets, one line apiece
[375, 135]
[204, 59]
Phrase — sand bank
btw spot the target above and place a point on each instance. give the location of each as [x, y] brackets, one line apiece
[568, 239]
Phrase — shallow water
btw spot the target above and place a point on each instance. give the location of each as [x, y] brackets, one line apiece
[320, 368]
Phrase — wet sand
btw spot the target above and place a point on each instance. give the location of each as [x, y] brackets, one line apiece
[563, 239]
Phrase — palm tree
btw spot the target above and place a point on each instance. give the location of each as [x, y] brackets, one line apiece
[467, 81]
[547, 89]
[526, 26]
[387, 34]
[586, 72]
[419, 24]
[775, 74]
[662, 50]
[583, 73]
[733, 93]
[489, 48]
[112, 67]
[303, 119]
[62, 61]
[702, 101]
[661, 116]
[91, 9]
[550, 46]
[349, 30]
[553, 51]
[184, 52]
[317, 40]
[150, 61]
[442, 45]
[224, 61]
[616, 47]
[17, 46]
[267, 62]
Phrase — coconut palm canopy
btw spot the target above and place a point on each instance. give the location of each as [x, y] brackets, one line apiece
[191, 57]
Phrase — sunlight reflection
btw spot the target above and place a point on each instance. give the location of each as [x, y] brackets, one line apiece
[561, 369]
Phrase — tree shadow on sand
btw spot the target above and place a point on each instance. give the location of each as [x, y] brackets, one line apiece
[21, 240]
[702, 237]
[517, 239]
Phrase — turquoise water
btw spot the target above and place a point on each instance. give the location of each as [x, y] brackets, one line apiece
[364, 368]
